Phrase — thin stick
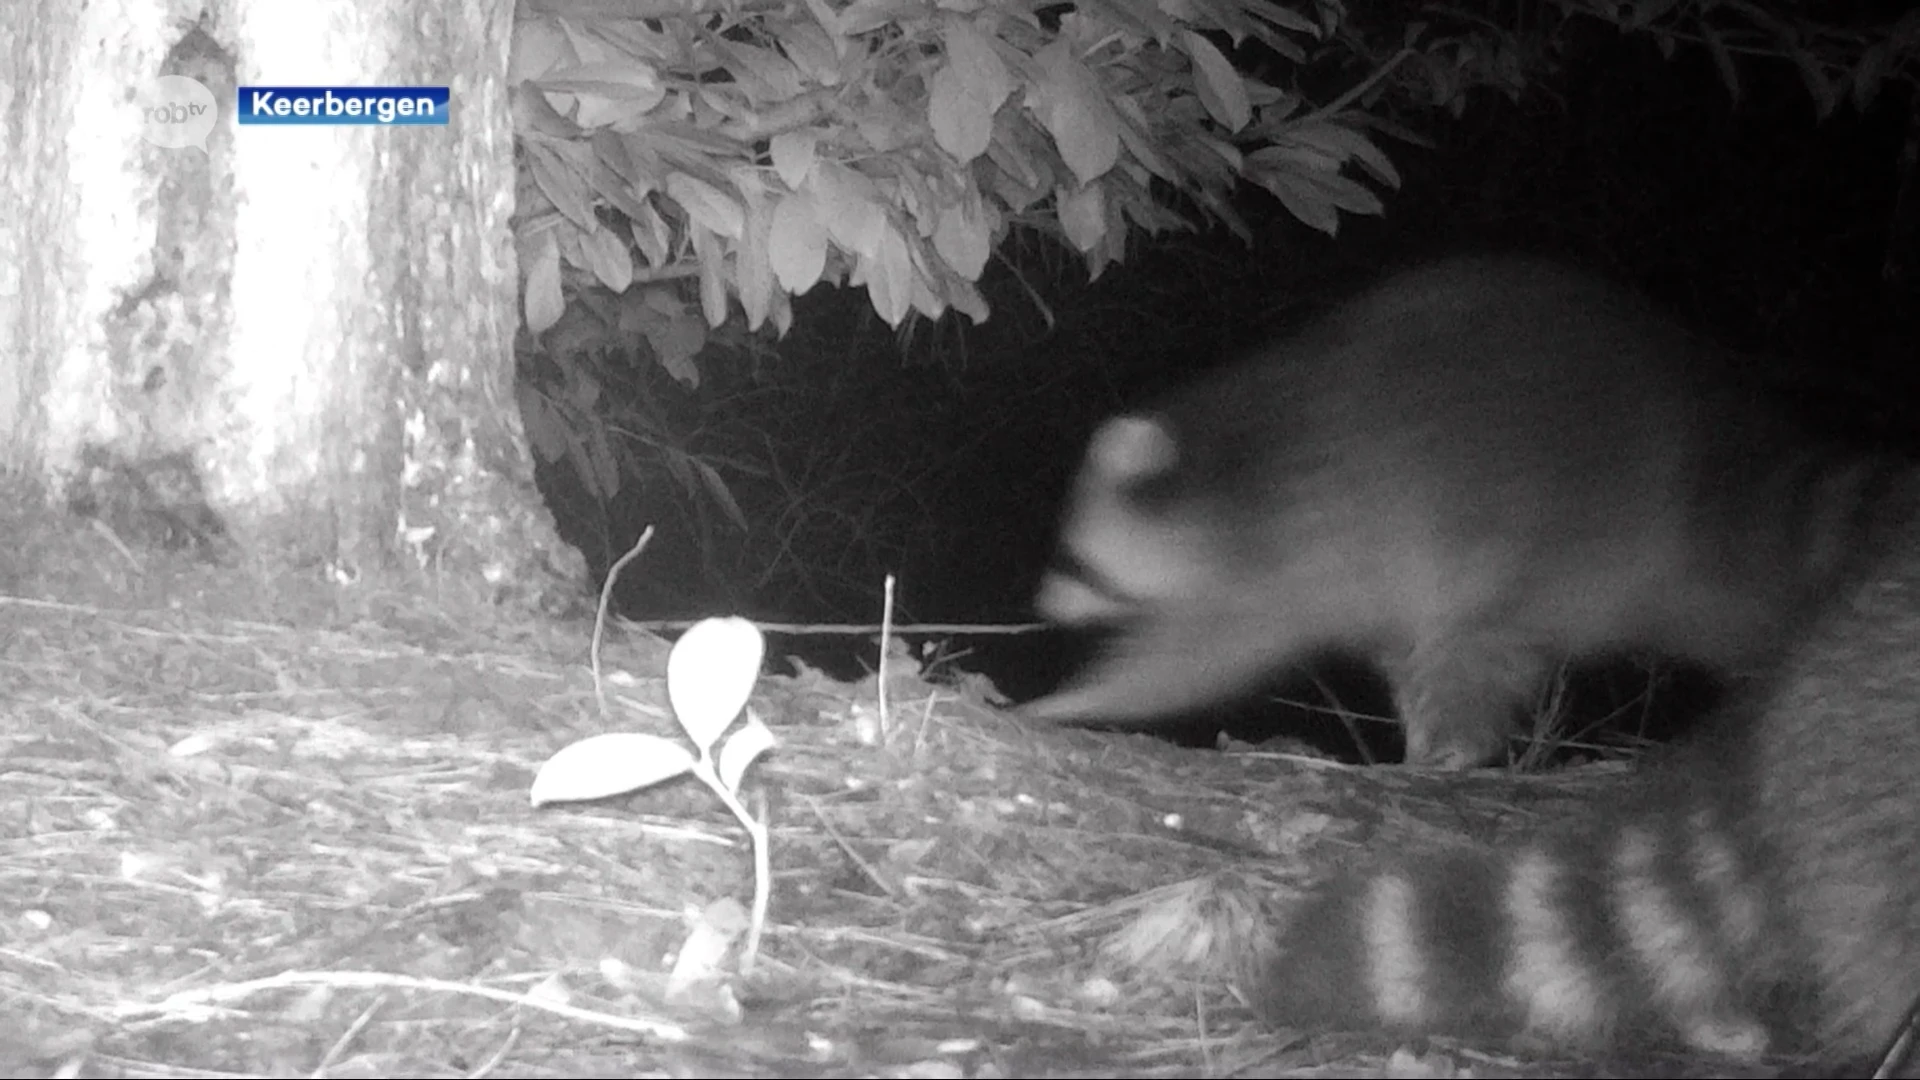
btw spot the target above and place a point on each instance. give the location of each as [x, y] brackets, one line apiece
[886, 646]
[600, 613]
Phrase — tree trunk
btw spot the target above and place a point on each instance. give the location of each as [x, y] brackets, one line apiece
[297, 344]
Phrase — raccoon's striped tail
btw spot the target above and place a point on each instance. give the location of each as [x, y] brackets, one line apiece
[1650, 929]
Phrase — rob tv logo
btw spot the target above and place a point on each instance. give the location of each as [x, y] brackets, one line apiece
[177, 112]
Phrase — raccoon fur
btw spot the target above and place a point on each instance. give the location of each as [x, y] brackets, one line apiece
[1468, 474]
[1759, 892]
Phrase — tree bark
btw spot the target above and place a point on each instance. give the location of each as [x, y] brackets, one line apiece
[297, 344]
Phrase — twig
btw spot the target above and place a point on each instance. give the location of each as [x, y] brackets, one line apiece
[886, 643]
[192, 1003]
[600, 613]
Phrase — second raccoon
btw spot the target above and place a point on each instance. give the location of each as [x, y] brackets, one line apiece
[1757, 893]
[1468, 473]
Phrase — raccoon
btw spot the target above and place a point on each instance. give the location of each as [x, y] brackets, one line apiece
[1759, 892]
[1467, 474]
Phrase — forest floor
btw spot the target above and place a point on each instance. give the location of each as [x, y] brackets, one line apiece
[262, 829]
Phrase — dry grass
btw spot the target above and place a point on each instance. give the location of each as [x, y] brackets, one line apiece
[283, 829]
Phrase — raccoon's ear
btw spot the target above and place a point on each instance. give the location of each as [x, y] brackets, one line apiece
[1133, 447]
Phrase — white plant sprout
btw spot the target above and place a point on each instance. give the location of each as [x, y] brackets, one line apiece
[710, 674]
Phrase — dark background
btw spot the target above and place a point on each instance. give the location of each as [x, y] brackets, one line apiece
[1765, 227]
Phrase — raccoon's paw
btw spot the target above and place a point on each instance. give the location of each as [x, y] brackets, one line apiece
[1458, 695]
[1131, 448]
[1453, 747]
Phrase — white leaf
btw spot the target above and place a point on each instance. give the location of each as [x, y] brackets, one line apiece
[793, 156]
[961, 236]
[707, 205]
[1221, 89]
[544, 304]
[811, 50]
[1083, 215]
[753, 276]
[538, 47]
[848, 204]
[611, 764]
[1070, 103]
[738, 752]
[966, 92]
[797, 243]
[890, 276]
[711, 673]
[608, 258]
[712, 257]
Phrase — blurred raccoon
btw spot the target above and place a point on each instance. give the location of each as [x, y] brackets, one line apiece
[1758, 892]
[1467, 474]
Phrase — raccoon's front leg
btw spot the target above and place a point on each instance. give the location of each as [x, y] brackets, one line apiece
[1458, 696]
